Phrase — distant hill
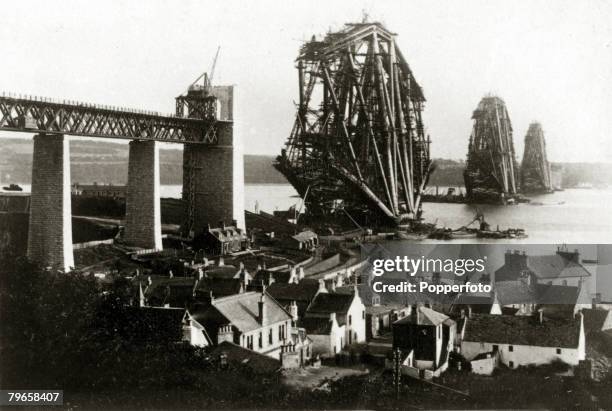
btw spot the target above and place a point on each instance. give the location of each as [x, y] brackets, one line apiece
[106, 162]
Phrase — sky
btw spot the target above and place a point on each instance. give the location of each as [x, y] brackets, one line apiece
[551, 61]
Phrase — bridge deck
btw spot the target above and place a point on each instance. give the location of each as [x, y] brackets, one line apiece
[42, 115]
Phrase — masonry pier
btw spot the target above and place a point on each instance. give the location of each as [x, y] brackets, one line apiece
[142, 208]
[50, 226]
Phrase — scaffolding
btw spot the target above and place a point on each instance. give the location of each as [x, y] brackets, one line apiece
[491, 174]
[535, 168]
[358, 140]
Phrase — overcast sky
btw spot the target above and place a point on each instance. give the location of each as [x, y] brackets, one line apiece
[550, 61]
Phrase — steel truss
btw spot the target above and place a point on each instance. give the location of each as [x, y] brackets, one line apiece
[535, 168]
[358, 137]
[491, 173]
[38, 115]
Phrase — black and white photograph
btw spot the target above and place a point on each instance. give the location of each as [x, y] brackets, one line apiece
[341, 205]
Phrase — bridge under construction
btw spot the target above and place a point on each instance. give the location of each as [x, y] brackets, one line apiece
[491, 174]
[358, 144]
[213, 165]
[535, 168]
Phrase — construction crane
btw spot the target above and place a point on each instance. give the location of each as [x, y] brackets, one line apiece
[198, 101]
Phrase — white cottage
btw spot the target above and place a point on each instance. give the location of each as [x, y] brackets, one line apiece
[524, 340]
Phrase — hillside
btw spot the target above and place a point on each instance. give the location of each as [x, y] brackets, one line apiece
[106, 162]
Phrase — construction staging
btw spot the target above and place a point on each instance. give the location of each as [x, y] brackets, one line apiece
[535, 168]
[358, 146]
[491, 174]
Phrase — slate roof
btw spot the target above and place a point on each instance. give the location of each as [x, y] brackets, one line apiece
[555, 266]
[519, 292]
[304, 291]
[515, 292]
[327, 303]
[315, 325]
[426, 316]
[279, 276]
[225, 271]
[242, 310]
[523, 330]
[243, 356]
[543, 266]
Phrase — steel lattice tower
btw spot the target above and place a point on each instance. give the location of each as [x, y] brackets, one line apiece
[491, 173]
[535, 168]
[358, 140]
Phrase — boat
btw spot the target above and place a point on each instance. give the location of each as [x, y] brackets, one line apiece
[403, 235]
[12, 187]
[509, 233]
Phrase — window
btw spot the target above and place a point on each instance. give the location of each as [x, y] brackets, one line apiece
[350, 319]
[511, 364]
[510, 348]
[270, 337]
[558, 350]
[363, 315]
[495, 347]
[260, 342]
[280, 332]
[250, 342]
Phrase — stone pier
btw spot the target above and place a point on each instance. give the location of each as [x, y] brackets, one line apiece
[216, 173]
[50, 226]
[143, 210]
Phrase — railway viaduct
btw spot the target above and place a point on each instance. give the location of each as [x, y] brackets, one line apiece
[213, 182]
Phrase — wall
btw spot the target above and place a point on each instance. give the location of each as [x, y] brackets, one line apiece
[357, 313]
[523, 354]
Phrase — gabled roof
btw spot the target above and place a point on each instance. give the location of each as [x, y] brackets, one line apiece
[278, 276]
[523, 330]
[242, 310]
[305, 290]
[426, 316]
[559, 265]
[519, 292]
[327, 303]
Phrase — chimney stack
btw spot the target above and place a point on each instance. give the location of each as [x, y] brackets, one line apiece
[293, 310]
[221, 262]
[469, 311]
[301, 273]
[262, 307]
[541, 315]
[332, 317]
[322, 288]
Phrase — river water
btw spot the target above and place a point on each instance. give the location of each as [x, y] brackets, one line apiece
[573, 216]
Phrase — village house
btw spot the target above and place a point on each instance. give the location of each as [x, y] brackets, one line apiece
[562, 268]
[522, 340]
[298, 295]
[99, 190]
[349, 310]
[426, 337]
[223, 240]
[304, 241]
[326, 334]
[251, 320]
[525, 296]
